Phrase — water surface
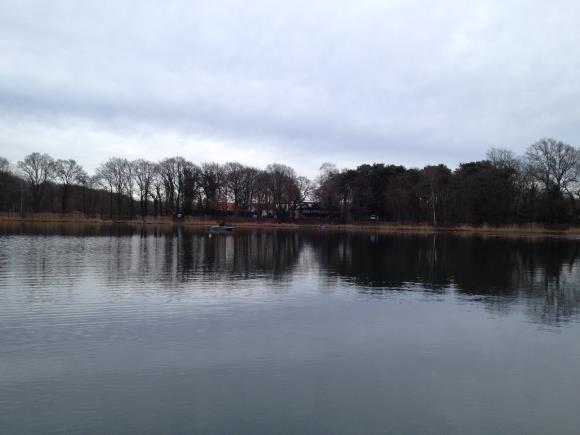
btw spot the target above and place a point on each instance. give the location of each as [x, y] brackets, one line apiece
[166, 330]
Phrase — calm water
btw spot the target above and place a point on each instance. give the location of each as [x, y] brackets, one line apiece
[118, 330]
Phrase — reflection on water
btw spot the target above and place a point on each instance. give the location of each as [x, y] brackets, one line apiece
[113, 328]
[540, 273]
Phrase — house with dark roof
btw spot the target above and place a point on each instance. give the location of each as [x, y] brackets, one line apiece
[309, 209]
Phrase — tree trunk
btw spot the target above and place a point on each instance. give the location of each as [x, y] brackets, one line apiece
[111, 204]
[119, 203]
[433, 205]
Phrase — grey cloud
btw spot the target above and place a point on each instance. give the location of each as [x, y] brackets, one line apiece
[407, 82]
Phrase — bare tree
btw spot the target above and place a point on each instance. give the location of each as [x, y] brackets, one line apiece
[143, 172]
[433, 177]
[553, 163]
[114, 173]
[192, 176]
[503, 159]
[248, 192]
[281, 179]
[105, 177]
[4, 166]
[67, 173]
[156, 192]
[172, 171]
[37, 169]
[212, 184]
[328, 187]
[234, 178]
[130, 186]
[300, 190]
[262, 197]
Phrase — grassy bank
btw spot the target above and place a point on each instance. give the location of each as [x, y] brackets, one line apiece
[383, 227]
[79, 218]
[515, 230]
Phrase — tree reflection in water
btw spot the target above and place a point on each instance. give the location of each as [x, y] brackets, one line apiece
[540, 275]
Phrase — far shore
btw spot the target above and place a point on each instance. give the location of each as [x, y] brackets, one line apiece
[248, 223]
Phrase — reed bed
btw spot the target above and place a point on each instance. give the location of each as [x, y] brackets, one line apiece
[381, 227]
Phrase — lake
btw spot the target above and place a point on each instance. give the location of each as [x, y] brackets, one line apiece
[116, 329]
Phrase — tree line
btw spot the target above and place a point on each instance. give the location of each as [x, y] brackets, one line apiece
[171, 187]
[542, 185]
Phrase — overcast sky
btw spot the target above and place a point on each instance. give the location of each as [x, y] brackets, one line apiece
[297, 82]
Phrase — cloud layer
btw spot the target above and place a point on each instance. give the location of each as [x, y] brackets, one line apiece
[300, 82]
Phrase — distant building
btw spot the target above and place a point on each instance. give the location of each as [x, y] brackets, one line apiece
[309, 209]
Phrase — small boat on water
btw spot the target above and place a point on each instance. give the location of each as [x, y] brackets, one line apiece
[221, 228]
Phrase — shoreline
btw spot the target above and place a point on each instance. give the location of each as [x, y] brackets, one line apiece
[384, 227]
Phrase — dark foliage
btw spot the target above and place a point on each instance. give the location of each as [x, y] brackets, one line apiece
[543, 186]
